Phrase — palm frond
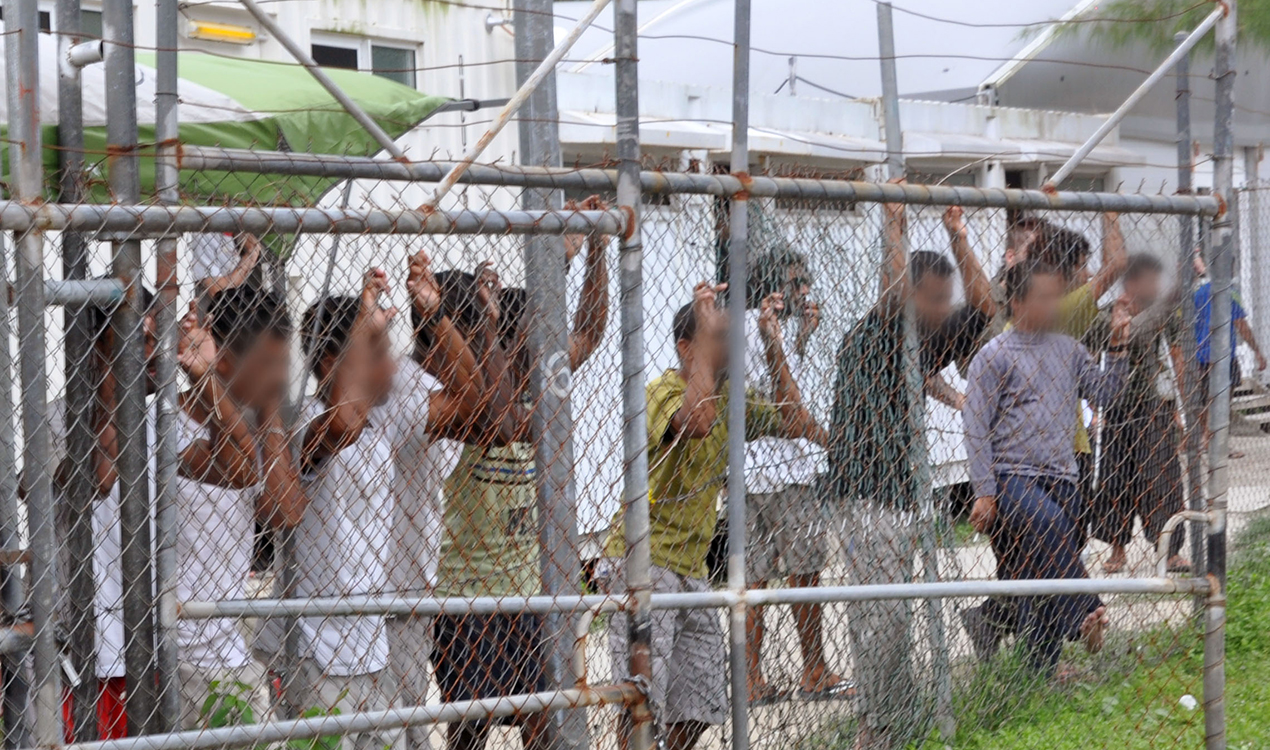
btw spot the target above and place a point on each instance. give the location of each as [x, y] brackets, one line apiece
[1119, 23]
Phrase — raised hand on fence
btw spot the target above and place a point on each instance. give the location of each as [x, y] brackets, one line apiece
[592, 314]
[227, 458]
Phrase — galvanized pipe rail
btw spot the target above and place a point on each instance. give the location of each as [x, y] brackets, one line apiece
[136, 222]
[483, 605]
[281, 732]
[200, 158]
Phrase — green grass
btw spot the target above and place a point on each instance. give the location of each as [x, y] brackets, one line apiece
[1128, 695]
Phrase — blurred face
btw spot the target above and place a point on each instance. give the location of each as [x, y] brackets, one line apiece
[1143, 289]
[1037, 311]
[710, 343]
[932, 301]
[797, 288]
[259, 374]
[1019, 241]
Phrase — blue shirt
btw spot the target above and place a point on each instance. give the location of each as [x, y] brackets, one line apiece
[1204, 320]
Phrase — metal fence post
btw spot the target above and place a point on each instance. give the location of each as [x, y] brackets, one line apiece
[738, 241]
[166, 182]
[915, 384]
[17, 689]
[76, 501]
[631, 298]
[551, 381]
[27, 176]
[130, 373]
[1191, 393]
[1220, 351]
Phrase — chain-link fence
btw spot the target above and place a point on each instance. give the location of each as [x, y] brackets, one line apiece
[300, 465]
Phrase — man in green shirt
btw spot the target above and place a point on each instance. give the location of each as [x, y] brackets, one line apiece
[687, 456]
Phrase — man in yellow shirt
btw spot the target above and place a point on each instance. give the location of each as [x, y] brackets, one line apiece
[687, 456]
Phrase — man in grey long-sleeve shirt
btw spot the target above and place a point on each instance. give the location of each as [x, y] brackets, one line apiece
[1023, 388]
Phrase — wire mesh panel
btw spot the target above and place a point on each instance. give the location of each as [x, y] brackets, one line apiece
[936, 396]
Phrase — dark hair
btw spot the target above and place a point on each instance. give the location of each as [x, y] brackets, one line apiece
[1018, 278]
[99, 317]
[925, 263]
[769, 273]
[513, 304]
[1141, 264]
[240, 315]
[327, 325]
[1065, 250]
[684, 326]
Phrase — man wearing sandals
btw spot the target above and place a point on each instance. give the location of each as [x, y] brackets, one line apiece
[784, 508]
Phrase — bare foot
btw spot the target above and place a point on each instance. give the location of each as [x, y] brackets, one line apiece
[1066, 675]
[1179, 564]
[1116, 562]
[1093, 629]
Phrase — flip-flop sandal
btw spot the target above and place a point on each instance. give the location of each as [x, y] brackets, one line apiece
[768, 697]
[843, 690]
[1184, 567]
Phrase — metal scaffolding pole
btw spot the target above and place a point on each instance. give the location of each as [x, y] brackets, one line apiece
[1191, 393]
[1113, 120]
[354, 110]
[27, 185]
[76, 502]
[737, 263]
[551, 379]
[1221, 345]
[530, 82]
[635, 499]
[166, 183]
[130, 375]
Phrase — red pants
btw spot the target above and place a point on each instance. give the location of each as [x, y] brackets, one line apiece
[112, 723]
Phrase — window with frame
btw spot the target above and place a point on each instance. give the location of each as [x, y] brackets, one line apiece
[394, 63]
[333, 56]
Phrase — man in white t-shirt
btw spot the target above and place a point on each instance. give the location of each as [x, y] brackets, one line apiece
[231, 473]
[784, 510]
[106, 556]
[372, 416]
